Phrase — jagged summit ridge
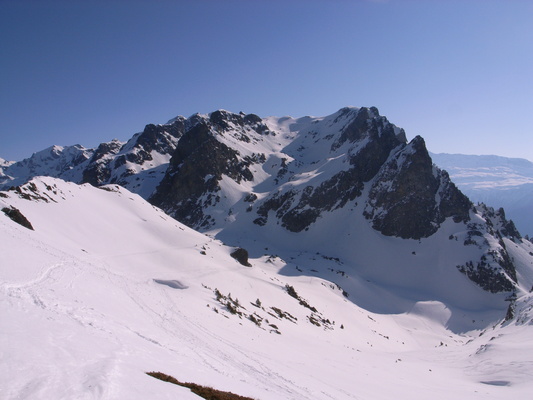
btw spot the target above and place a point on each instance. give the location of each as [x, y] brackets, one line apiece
[287, 156]
[240, 176]
[56, 161]
[302, 168]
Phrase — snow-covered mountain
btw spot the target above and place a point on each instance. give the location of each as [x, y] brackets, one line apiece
[102, 287]
[4, 163]
[245, 180]
[142, 162]
[496, 181]
[137, 165]
[329, 255]
[237, 176]
[57, 161]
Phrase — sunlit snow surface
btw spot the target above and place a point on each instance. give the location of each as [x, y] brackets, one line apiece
[107, 288]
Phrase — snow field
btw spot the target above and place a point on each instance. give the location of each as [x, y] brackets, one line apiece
[107, 288]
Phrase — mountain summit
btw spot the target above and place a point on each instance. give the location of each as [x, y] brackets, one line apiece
[242, 178]
[301, 169]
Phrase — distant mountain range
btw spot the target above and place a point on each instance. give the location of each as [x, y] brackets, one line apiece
[260, 254]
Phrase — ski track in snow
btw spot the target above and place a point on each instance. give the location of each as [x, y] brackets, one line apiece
[200, 341]
[191, 333]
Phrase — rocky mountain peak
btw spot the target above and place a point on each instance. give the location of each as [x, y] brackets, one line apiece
[410, 197]
[192, 180]
[365, 123]
[337, 155]
[221, 171]
[223, 121]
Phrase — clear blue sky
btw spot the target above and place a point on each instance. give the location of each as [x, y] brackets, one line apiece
[459, 73]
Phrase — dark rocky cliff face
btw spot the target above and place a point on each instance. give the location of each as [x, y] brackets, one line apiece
[191, 182]
[410, 197]
[298, 209]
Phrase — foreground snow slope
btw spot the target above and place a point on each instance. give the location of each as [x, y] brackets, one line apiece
[107, 287]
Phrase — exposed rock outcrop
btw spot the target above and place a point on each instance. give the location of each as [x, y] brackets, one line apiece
[192, 180]
[410, 197]
[16, 216]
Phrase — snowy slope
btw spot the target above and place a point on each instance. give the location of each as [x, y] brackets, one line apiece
[496, 181]
[107, 287]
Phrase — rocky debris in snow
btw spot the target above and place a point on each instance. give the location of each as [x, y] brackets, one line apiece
[15, 215]
[241, 255]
